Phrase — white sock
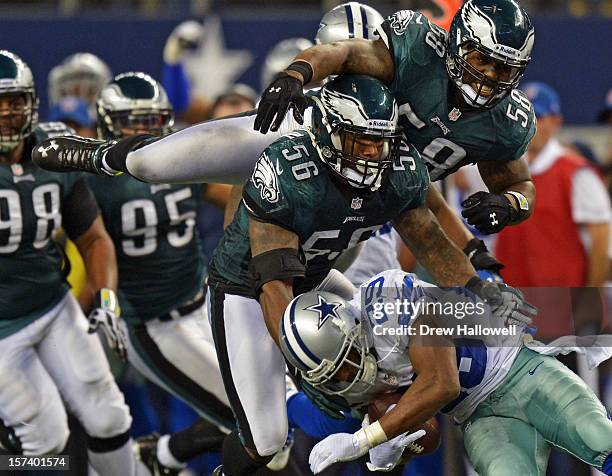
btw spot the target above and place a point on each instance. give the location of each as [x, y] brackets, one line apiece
[165, 456]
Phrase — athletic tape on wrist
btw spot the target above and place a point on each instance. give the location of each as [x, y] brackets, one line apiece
[304, 68]
[375, 434]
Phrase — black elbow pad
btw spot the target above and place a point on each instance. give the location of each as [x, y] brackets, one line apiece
[274, 265]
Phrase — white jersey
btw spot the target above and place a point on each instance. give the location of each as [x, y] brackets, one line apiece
[481, 368]
[378, 254]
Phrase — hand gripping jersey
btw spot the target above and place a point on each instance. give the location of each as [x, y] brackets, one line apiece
[31, 207]
[156, 242]
[447, 137]
[292, 188]
[481, 368]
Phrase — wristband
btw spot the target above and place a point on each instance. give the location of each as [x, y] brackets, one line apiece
[304, 68]
[371, 436]
[522, 204]
[107, 299]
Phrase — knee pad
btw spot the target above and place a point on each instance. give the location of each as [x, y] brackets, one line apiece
[30, 427]
[271, 440]
[46, 439]
[20, 401]
[105, 415]
[595, 430]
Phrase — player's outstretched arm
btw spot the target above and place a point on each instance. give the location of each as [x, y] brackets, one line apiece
[448, 219]
[355, 56]
[422, 233]
[274, 264]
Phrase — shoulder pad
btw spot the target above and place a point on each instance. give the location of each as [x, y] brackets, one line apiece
[515, 124]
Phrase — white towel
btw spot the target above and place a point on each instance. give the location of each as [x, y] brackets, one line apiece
[596, 348]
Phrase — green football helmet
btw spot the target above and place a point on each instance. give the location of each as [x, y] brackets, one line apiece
[19, 113]
[355, 130]
[133, 102]
[498, 29]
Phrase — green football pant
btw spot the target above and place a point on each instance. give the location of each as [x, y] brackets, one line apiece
[540, 404]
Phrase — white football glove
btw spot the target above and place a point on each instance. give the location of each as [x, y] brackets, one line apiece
[184, 38]
[347, 447]
[387, 455]
[105, 316]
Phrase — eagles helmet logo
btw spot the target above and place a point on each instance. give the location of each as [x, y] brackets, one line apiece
[347, 108]
[264, 178]
[399, 21]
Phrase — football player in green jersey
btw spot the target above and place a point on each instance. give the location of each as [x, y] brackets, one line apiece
[456, 91]
[161, 275]
[447, 129]
[49, 355]
[312, 194]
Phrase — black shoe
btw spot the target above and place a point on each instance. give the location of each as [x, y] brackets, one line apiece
[70, 154]
[145, 449]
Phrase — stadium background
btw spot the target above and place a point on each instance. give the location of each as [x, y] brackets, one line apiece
[572, 53]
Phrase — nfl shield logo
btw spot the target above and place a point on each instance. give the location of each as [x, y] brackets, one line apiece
[356, 203]
[17, 169]
[454, 114]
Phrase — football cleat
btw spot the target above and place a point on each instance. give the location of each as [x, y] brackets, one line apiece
[218, 471]
[145, 450]
[73, 154]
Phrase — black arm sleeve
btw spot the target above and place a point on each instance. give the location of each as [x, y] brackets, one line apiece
[79, 210]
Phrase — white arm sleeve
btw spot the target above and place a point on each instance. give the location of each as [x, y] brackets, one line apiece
[219, 151]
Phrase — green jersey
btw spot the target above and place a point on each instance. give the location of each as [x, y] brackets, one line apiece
[446, 136]
[156, 242]
[32, 205]
[291, 187]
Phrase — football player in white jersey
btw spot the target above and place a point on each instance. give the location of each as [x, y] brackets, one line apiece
[513, 403]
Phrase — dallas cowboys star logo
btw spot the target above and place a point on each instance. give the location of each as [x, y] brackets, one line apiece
[325, 310]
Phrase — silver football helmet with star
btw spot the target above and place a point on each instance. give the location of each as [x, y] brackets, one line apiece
[349, 20]
[321, 334]
[81, 75]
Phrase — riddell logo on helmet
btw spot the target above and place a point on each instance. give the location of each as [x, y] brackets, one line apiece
[507, 50]
[378, 124]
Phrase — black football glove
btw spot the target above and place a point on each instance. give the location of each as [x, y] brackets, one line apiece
[284, 92]
[481, 259]
[488, 212]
